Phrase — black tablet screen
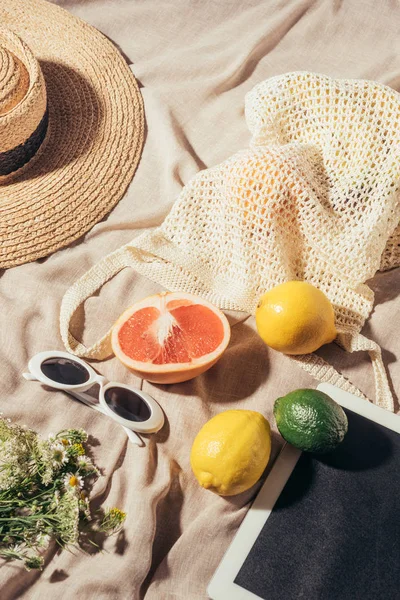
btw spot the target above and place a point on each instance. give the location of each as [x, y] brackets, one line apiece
[334, 532]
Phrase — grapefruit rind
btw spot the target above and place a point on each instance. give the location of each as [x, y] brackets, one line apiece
[177, 371]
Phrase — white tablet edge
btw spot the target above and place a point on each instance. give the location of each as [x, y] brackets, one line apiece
[222, 585]
[362, 407]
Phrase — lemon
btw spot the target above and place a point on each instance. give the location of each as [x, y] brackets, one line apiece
[231, 451]
[295, 318]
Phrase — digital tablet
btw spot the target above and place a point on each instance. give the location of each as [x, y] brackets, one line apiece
[324, 528]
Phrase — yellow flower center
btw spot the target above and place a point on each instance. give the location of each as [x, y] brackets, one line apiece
[65, 442]
[73, 481]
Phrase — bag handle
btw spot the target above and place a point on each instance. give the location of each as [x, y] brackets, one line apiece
[316, 366]
[357, 343]
[323, 372]
[82, 289]
[352, 342]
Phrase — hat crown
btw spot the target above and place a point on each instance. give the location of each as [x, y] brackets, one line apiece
[14, 80]
[23, 104]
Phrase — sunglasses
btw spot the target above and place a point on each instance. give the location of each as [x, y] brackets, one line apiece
[132, 408]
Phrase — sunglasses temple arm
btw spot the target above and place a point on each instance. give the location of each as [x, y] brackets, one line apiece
[89, 401]
[133, 437]
[29, 377]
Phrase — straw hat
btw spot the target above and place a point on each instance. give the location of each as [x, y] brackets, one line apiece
[71, 128]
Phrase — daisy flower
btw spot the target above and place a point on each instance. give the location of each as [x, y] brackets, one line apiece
[84, 463]
[72, 481]
[59, 455]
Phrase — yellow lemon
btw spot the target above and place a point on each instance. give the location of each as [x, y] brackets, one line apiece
[231, 451]
[295, 318]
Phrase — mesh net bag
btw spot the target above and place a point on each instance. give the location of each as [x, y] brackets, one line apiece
[314, 197]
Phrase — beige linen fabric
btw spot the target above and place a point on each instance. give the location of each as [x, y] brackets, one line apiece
[195, 62]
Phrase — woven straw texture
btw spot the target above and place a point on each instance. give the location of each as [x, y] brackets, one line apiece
[315, 197]
[95, 133]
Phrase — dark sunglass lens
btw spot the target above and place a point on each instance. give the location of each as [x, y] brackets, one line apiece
[127, 404]
[64, 370]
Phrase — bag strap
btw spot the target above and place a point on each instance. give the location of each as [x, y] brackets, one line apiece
[323, 372]
[357, 343]
[112, 264]
[352, 342]
[82, 289]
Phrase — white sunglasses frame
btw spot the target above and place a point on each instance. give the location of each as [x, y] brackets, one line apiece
[153, 424]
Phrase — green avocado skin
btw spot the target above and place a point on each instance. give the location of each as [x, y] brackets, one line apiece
[310, 420]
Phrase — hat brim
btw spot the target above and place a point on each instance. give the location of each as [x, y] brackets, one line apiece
[94, 141]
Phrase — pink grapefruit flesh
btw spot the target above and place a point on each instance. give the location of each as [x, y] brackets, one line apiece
[170, 337]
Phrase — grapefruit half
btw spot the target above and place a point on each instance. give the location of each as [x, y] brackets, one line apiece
[170, 337]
